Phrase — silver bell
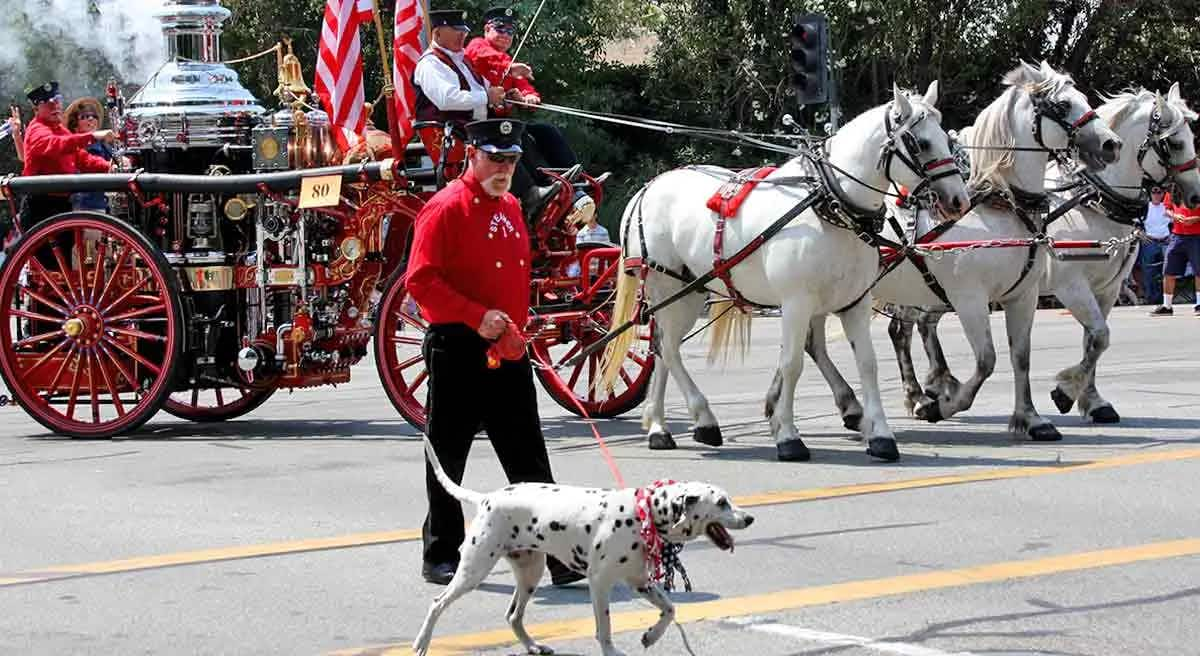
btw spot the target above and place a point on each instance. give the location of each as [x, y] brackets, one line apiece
[248, 359]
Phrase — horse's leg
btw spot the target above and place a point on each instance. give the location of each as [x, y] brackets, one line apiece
[881, 443]
[938, 380]
[1018, 319]
[1090, 403]
[674, 322]
[843, 395]
[796, 319]
[901, 331]
[972, 312]
[654, 415]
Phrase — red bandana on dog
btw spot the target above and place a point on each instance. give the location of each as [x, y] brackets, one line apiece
[662, 557]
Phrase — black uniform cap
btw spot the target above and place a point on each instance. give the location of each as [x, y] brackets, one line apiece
[42, 93]
[455, 18]
[496, 135]
[500, 16]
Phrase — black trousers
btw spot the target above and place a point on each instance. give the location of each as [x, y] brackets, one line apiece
[464, 394]
[38, 208]
[544, 147]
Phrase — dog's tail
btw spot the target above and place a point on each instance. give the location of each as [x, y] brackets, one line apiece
[457, 491]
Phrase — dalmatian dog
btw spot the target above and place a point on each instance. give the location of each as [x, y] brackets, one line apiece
[594, 531]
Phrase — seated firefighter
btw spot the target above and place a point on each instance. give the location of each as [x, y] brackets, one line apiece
[449, 89]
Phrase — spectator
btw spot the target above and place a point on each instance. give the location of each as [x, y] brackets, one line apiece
[1150, 254]
[1183, 249]
[86, 116]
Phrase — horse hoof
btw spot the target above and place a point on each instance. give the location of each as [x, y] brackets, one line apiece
[883, 448]
[710, 435]
[852, 421]
[930, 412]
[1045, 433]
[1061, 401]
[661, 441]
[1105, 415]
[792, 451]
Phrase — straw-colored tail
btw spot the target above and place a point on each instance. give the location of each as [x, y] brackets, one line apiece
[730, 327]
[617, 351]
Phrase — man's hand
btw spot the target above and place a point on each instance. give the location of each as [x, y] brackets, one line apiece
[107, 136]
[14, 118]
[532, 99]
[519, 70]
[495, 96]
[493, 325]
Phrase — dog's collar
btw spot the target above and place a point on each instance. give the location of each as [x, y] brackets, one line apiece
[662, 556]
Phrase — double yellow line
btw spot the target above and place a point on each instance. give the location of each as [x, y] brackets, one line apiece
[390, 537]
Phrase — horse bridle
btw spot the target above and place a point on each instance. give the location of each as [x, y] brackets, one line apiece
[910, 154]
[1056, 110]
[1157, 142]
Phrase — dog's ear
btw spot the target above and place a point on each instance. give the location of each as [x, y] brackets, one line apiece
[680, 508]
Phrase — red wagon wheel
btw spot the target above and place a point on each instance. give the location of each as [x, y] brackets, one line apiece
[90, 325]
[399, 332]
[213, 404]
[628, 391]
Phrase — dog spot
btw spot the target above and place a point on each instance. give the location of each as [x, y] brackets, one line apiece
[554, 489]
[472, 540]
[629, 522]
[533, 521]
[529, 528]
[587, 528]
[635, 546]
[687, 532]
[621, 509]
[541, 537]
[510, 488]
[603, 504]
[578, 549]
[623, 559]
[696, 516]
[556, 526]
[617, 525]
[530, 590]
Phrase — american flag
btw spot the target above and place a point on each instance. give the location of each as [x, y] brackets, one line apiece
[340, 68]
[406, 49]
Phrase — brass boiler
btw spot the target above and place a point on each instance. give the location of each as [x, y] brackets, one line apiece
[310, 142]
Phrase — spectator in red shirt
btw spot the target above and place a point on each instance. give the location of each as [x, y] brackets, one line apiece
[1182, 249]
[469, 273]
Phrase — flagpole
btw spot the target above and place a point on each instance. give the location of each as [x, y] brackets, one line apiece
[388, 89]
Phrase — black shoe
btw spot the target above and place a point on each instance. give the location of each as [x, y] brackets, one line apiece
[441, 573]
[1196, 310]
[1163, 311]
[562, 575]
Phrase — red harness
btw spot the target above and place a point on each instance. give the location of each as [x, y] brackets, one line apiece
[725, 203]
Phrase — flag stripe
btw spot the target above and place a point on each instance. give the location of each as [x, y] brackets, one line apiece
[339, 81]
[406, 50]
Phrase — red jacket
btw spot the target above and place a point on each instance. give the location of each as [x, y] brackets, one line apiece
[492, 64]
[470, 254]
[53, 149]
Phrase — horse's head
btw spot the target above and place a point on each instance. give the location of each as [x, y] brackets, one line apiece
[1062, 117]
[916, 152]
[1167, 156]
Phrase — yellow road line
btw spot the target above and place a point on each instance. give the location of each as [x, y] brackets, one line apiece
[785, 600]
[408, 535]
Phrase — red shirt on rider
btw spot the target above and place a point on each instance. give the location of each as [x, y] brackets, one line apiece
[489, 57]
[471, 253]
[51, 148]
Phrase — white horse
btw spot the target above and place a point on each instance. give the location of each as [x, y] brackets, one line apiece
[1159, 150]
[1040, 112]
[811, 268]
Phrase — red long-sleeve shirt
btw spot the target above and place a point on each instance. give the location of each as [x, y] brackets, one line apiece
[470, 254]
[53, 149]
[492, 64]
[1178, 227]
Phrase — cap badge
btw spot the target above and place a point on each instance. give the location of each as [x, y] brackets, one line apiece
[46, 87]
[506, 128]
[508, 12]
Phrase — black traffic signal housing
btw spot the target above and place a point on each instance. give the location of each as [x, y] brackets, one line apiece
[810, 59]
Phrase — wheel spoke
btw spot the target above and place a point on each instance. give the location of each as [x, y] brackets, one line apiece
[99, 271]
[43, 300]
[123, 297]
[115, 274]
[92, 388]
[220, 399]
[133, 314]
[112, 390]
[638, 359]
[44, 359]
[30, 341]
[17, 312]
[62, 269]
[61, 368]
[575, 376]
[74, 393]
[131, 332]
[42, 273]
[135, 355]
[625, 377]
[591, 389]
[409, 341]
[417, 381]
[120, 367]
[80, 253]
[570, 354]
[196, 397]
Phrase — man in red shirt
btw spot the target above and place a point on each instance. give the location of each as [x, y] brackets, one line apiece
[1182, 249]
[469, 273]
[50, 148]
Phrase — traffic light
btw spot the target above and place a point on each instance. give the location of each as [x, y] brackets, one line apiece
[810, 59]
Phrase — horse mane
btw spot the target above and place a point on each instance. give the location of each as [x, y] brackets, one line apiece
[1120, 107]
[992, 127]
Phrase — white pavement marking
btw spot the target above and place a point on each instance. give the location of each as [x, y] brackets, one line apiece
[837, 639]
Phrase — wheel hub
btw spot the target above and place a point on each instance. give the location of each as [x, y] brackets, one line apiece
[84, 326]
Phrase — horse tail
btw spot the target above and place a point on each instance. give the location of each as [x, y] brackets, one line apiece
[624, 306]
[730, 326]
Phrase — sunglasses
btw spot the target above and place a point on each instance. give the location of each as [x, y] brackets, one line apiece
[504, 29]
[53, 99]
[88, 115]
[504, 158]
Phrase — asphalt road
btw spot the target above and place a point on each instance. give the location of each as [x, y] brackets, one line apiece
[294, 530]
